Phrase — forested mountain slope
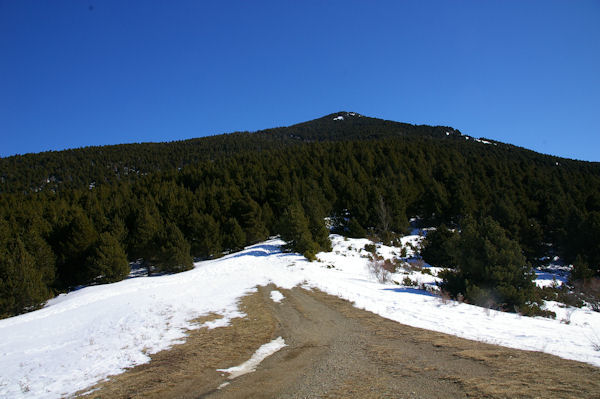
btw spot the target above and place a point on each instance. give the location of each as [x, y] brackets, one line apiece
[78, 216]
[81, 167]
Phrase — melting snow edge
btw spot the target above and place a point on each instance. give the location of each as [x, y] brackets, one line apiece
[250, 365]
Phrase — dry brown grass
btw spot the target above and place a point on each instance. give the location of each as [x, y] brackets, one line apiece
[180, 371]
[389, 358]
[482, 370]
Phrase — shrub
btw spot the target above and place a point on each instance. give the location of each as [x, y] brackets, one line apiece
[534, 309]
[408, 282]
[372, 248]
[589, 291]
[403, 253]
[378, 270]
[490, 270]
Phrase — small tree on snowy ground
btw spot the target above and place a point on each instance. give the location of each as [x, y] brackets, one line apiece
[439, 246]
[174, 251]
[306, 235]
[316, 223]
[295, 231]
[108, 261]
[490, 269]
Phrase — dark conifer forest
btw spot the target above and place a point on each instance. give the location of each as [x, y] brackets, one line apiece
[79, 216]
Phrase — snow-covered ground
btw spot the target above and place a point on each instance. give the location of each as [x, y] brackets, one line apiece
[84, 336]
[552, 274]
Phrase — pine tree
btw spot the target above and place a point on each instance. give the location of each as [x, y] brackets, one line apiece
[75, 244]
[40, 250]
[439, 247]
[248, 213]
[142, 241]
[581, 270]
[203, 234]
[173, 253]
[355, 230]
[21, 284]
[316, 223]
[108, 261]
[294, 229]
[490, 268]
[234, 237]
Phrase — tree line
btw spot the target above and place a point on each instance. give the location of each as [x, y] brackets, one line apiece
[53, 240]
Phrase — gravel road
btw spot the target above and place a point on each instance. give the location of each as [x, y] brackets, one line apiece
[335, 350]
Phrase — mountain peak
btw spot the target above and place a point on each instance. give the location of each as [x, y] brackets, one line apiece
[340, 116]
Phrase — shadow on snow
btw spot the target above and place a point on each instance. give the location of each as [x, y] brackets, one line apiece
[406, 290]
[259, 250]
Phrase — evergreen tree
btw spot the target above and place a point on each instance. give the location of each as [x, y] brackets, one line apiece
[74, 246]
[248, 213]
[118, 230]
[108, 261]
[173, 253]
[591, 243]
[354, 229]
[40, 250]
[146, 227]
[316, 223]
[532, 239]
[234, 237]
[435, 202]
[269, 217]
[294, 229]
[581, 270]
[22, 286]
[203, 234]
[384, 217]
[439, 247]
[490, 268]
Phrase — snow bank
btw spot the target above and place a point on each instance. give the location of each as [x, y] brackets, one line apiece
[85, 336]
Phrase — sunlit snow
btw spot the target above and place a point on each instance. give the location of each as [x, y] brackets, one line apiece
[276, 296]
[261, 354]
[87, 335]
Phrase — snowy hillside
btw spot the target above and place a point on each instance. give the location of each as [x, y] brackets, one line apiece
[87, 335]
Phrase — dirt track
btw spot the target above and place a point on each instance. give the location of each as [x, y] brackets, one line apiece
[337, 351]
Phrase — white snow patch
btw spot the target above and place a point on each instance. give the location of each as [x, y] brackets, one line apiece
[482, 141]
[276, 296]
[338, 118]
[553, 274]
[250, 365]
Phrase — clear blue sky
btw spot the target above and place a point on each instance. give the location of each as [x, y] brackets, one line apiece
[92, 72]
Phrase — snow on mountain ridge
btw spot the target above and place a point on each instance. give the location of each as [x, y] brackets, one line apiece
[341, 115]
